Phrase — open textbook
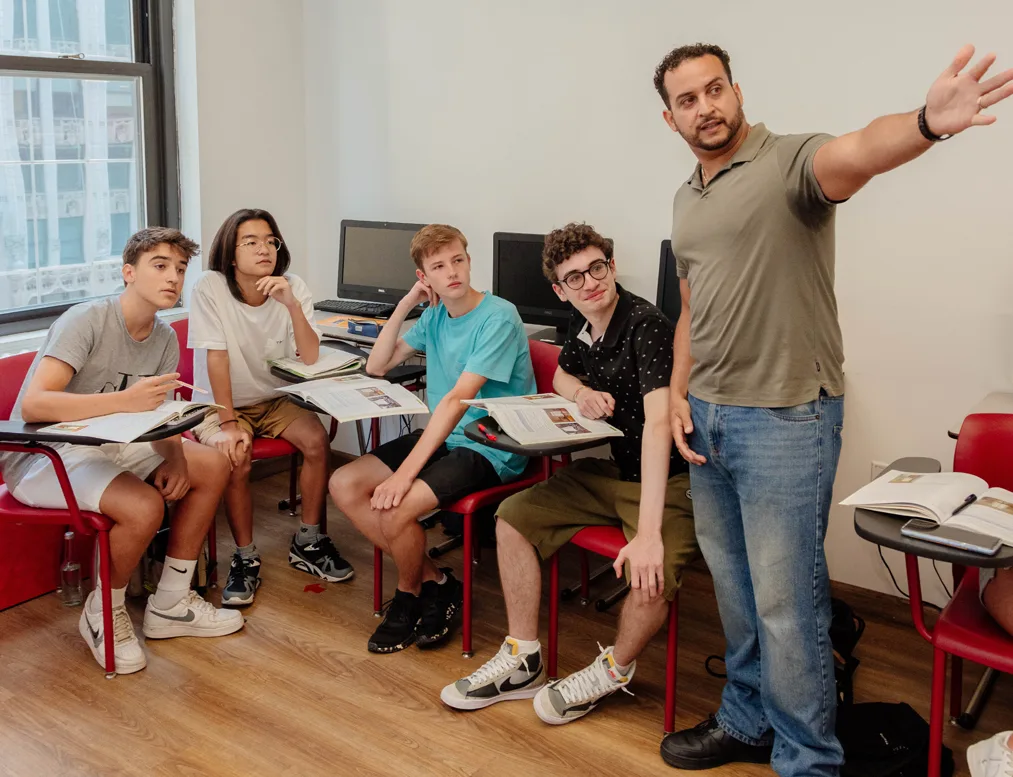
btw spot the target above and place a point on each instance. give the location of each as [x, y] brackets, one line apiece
[127, 427]
[332, 361]
[935, 496]
[351, 397]
[543, 418]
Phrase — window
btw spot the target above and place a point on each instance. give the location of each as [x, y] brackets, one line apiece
[87, 147]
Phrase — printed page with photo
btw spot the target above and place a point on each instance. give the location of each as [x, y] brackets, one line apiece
[353, 397]
[543, 418]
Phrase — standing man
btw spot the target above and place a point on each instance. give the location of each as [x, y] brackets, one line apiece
[758, 390]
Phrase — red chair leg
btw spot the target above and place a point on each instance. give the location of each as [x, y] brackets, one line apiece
[553, 614]
[466, 616]
[104, 573]
[956, 686]
[671, 664]
[377, 581]
[293, 485]
[936, 712]
[585, 582]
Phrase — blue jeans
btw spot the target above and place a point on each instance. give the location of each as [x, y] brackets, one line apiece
[761, 504]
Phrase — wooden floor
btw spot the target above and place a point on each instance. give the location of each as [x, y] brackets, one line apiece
[296, 692]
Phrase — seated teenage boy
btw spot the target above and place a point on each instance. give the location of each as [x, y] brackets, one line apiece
[475, 346]
[616, 363]
[113, 355]
[246, 310]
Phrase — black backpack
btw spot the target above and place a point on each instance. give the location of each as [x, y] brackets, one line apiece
[846, 628]
[886, 740]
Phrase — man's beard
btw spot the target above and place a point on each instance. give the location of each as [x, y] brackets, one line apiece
[717, 145]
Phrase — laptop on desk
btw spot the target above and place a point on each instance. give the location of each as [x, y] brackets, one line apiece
[375, 269]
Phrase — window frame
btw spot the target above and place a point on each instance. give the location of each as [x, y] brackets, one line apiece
[153, 67]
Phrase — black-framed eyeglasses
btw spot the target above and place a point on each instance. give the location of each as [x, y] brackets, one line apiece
[598, 270]
[270, 242]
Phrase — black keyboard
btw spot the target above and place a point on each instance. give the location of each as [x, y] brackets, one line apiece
[351, 307]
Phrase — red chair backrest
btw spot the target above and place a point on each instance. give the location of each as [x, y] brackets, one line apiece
[544, 360]
[185, 368]
[14, 369]
[985, 448]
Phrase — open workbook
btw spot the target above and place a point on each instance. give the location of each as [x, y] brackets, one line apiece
[127, 427]
[935, 496]
[351, 397]
[331, 362]
[538, 419]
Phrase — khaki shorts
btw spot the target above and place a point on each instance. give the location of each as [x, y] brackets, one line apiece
[265, 419]
[590, 493]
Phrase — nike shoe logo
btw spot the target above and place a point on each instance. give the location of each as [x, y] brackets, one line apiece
[508, 686]
[94, 632]
[176, 569]
[184, 618]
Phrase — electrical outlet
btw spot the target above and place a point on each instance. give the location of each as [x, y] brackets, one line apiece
[878, 467]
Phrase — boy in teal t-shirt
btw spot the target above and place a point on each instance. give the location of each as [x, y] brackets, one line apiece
[475, 346]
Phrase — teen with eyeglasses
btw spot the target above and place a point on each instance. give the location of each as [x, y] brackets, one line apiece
[247, 310]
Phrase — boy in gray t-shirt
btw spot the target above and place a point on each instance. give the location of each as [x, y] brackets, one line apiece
[114, 355]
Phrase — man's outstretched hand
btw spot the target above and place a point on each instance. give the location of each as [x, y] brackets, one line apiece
[958, 98]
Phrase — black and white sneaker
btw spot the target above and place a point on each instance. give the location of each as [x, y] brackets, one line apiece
[397, 630]
[320, 558]
[243, 582]
[573, 697]
[440, 603]
[507, 675]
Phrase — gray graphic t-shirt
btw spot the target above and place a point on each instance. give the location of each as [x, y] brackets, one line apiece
[93, 339]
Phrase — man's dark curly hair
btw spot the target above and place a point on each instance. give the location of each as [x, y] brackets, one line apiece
[676, 57]
[561, 244]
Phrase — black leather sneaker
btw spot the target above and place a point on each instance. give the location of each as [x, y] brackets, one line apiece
[708, 746]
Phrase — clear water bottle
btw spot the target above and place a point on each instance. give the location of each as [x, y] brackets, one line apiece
[70, 574]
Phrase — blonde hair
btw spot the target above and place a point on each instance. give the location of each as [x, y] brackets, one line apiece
[431, 238]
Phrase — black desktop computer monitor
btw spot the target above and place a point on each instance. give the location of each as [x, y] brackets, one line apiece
[374, 260]
[517, 277]
[669, 296]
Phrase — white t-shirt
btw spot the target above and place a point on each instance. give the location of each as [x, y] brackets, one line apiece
[251, 335]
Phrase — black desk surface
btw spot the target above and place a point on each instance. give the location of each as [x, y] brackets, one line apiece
[884, 529]
[505, 442]
[403, 373]
[16, 431]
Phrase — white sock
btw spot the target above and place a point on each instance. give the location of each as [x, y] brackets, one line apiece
[442, 580]
[119, 597]
[176, 578]
[527, 646]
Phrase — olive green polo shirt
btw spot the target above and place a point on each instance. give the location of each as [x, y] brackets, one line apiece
[757, 247]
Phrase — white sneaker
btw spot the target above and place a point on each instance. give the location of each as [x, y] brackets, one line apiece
[507, 675]
[126, 649]
[573, 697]
[991, 758]
[192, 616]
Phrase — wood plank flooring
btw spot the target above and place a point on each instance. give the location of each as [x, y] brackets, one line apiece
[296, 692]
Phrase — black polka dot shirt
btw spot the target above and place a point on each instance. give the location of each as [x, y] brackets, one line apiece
[633, 358]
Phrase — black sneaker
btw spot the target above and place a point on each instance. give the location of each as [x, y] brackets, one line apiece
[708, 746]
[440, 603]
[244, 580]
[320, 558]
[397, 631]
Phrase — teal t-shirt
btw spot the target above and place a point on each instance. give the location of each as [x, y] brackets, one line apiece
[488, 341]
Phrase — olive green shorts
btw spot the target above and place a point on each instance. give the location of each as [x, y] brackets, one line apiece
[590, 493]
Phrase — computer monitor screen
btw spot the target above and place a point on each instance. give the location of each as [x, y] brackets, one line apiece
[517, 277]
[669, 296]
[375, 262]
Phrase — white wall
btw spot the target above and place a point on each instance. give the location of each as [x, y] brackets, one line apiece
[525, 115]
[251, 115]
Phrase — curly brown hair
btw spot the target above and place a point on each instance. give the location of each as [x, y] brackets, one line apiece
[676, 57]
[561, 244]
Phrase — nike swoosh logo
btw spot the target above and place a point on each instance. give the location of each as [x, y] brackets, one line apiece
[184, 618]
[509, 686]
[176, 569]
[94, 632]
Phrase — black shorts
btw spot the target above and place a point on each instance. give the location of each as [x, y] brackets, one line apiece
[451, 474]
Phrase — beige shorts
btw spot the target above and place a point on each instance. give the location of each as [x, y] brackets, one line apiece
[90, 469]
[265, 419]
[590, 493]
